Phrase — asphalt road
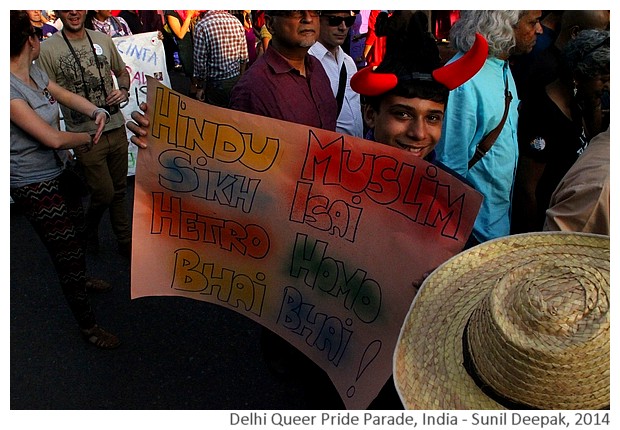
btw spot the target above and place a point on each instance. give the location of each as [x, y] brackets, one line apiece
[177, 353]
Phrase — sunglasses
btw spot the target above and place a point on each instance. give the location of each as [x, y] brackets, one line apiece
[335, 21]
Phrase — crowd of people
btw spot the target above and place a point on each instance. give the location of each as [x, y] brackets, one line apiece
[537, 150]
[545, 82]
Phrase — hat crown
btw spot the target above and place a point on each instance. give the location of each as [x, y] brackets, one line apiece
[542, 334]
[527, 315]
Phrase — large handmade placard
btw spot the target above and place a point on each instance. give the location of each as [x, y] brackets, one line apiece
[315, 235]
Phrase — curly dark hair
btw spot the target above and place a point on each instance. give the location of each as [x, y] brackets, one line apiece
[588, 54]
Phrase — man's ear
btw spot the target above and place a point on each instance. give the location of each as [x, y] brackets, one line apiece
[369, 116]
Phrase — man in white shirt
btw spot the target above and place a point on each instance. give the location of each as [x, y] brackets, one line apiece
[328, 50]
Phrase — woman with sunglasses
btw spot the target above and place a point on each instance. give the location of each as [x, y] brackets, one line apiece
[39, 186]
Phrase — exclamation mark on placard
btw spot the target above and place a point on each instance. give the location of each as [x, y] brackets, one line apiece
[371, 352]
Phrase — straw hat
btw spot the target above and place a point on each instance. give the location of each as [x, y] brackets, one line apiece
[527, 314]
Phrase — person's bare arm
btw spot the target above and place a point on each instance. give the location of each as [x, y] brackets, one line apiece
[180, 29]
[80, 104]
[28, 120]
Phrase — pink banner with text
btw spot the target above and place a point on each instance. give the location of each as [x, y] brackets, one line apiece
[315, 235]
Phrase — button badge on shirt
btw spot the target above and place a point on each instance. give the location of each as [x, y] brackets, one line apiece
[538, 143]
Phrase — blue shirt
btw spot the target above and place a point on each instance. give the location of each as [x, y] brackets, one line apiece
[473, 110]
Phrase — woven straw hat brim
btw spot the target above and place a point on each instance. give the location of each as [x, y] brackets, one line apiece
[428, 360]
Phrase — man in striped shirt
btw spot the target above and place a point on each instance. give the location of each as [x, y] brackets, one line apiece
[220, 56]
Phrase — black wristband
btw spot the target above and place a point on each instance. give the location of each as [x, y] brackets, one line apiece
[124, 88]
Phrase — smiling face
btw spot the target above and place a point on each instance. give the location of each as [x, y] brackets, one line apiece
[411, 124]
[72, 20]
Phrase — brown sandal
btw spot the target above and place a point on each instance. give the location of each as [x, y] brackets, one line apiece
[100, 338]
[97, 285]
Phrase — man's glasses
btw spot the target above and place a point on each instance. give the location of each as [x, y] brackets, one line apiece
[335, 21]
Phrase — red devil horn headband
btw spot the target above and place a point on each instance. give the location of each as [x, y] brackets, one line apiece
[369, 83]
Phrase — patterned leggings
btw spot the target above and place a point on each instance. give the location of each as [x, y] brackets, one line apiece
[58, 219]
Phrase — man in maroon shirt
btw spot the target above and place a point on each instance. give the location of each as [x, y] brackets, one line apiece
[286, 82]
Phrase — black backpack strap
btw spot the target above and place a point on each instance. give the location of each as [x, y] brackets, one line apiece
[341, 87]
